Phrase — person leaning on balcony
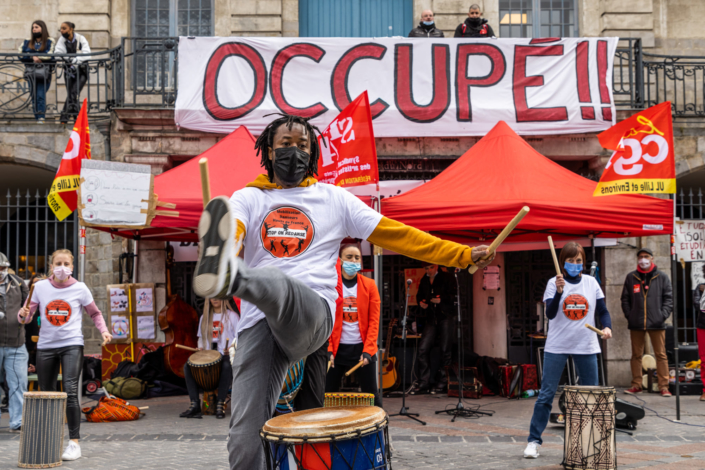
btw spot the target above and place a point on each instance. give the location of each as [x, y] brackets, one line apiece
[427, 27]
[76, 71]
[647, 301]
[474, 26]
[38, 76]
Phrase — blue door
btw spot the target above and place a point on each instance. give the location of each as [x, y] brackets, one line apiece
[355, 18]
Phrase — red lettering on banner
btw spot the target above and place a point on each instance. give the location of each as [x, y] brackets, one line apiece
[602, 74]
[341, 74]
[210, 84]
[463, 82]
[403, 90]
[582, 71]
[282, 58]
[521, 82]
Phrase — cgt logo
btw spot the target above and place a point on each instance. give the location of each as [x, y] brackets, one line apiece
[653, 149]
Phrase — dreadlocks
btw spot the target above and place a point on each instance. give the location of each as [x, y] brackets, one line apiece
[266, 140]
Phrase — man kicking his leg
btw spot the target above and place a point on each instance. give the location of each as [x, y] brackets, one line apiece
[288, 295]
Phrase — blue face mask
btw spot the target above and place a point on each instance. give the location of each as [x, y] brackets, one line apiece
[428, 23]
[351, 268]
[573, 269]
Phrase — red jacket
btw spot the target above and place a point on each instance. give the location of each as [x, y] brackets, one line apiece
[367, 316]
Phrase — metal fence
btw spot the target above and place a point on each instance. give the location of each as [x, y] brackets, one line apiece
[148, 72]
[30, 233]
[678, 79]
[55, 87]
[690, 205]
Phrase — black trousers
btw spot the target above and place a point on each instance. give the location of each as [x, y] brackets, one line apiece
[443, 327]
[70, 359]
[313, 387]
[75, 81]
[347, 357]
[226, 380]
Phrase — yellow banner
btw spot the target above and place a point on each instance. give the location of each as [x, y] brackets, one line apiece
[58, 206]
[65, 183]
[635, 186]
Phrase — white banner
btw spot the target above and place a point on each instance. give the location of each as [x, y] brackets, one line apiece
[417, 87]
[690, 240]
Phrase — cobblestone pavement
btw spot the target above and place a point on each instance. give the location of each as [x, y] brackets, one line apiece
[162, 439]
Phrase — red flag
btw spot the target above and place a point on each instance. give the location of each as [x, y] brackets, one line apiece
[63, 198]
[348, 155]
[643, 161]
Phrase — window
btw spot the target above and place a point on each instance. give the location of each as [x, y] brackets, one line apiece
[164, 18]
[538, 18]
[355, 18]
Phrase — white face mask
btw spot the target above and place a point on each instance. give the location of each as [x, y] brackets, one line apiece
[644, 263]
[3, 273]
[62, 273]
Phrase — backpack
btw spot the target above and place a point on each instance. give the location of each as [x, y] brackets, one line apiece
[128, 388]
[111, 409]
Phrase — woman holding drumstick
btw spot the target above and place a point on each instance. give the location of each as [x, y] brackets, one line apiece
[572, 301]
[61, 300]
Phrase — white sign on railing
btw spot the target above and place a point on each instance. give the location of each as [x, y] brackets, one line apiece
[690, 240]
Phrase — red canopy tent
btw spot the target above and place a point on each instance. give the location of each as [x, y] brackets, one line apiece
[475, 198]
[232, 164]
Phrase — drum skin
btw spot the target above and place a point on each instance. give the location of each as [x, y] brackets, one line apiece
[590, 442]
[335, 438]
[205, 368]
[42, 437]
[348, 399]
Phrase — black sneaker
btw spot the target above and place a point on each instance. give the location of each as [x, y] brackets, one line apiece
[16, 430]
[419, 390]
[219, 411]
[438, 389]
[216, 266]
[194, 411]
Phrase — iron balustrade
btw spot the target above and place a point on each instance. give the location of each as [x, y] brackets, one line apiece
[678, 79]
[149, 72]
[690, 205]
[57, 86]
[627, 74]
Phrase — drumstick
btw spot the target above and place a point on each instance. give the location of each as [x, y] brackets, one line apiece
[181, 346]
[553, 253]
[35, 339]
[503, 234]
[28, 302]
[590, 327]
[227, 340]
[143, 407]
[327, 370]
[359, 364]
[205, 183]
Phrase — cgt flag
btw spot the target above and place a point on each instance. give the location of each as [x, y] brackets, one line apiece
[63, 198]
[643, 161]
[348, 152]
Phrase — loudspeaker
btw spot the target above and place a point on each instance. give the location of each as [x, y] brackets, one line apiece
[627, 414]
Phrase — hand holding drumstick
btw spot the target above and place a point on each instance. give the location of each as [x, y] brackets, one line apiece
[606, 333]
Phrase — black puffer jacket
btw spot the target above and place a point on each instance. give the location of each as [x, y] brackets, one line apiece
[423, 31]
[697, 294]
[647, 300]
[467, 30]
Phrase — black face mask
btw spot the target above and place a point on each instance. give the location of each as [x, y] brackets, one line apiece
[65, 35]
[36, 35]
[475, 21]
[291, 165]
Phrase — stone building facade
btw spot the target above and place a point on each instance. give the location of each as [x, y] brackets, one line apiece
[148, 135]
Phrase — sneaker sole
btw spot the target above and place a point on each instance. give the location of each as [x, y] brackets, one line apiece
[216, 234]
[531, 456]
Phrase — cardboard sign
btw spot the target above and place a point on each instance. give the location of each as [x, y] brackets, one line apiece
[690, 240]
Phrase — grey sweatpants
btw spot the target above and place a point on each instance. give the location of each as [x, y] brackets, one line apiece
[298, 322]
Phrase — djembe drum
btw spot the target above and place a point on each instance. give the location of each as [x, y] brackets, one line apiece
[590, 442]
[205, 367]
[341, 438]
[348, 399]
[42, 437]
[291, 386]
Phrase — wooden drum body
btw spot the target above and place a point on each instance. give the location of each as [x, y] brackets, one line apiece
[348, 399]
[590, 442]
[339, 438]
[42, 437]
[205, 368]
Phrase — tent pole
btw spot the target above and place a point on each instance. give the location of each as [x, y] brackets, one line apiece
[377, 260]
[674, 275]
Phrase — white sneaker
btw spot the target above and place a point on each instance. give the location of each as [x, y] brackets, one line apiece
[532, 450]
[72, 452]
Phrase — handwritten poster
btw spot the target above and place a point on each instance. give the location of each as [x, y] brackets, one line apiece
[490, 278]
[145, 327]
[118, 299]
[114, 193]
[690, 240]
[119, 326]
[145, 300]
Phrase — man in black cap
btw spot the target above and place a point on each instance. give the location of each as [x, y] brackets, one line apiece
[474, 26]
[427, 27]
[647, 301]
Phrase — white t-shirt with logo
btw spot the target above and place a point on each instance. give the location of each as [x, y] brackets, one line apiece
[299, 231]
[222, 330]
[61, 313]
[351, 326]
[567, 333]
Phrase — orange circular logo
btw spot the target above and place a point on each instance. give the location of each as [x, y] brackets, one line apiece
[575, 307]
[286, 232]
[58, 312]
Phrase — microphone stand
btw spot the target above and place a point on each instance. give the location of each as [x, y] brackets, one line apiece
[404, 410]
[460, 409]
